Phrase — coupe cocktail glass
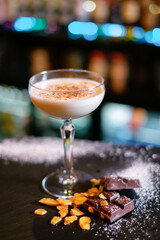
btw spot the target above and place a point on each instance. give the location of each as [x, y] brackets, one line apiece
[66, 94]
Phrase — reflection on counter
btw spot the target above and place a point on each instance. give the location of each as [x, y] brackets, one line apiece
[126, 124]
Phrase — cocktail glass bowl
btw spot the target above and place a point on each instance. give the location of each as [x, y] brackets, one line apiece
[66, 94]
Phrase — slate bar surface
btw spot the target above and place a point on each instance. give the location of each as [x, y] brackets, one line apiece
[20, 186]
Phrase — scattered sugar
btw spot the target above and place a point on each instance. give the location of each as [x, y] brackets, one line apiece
[45, 149]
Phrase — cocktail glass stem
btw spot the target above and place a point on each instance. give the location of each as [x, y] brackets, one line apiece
[63, 94]
[67, 133]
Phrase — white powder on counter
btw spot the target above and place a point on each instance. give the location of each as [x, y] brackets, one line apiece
[45, 149]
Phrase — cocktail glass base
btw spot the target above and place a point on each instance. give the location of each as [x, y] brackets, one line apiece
[59, 184]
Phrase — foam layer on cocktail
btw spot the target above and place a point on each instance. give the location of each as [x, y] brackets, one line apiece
[67, 97]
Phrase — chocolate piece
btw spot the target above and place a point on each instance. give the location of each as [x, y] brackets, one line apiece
[115, 209]
[111, 195]
[119, 183]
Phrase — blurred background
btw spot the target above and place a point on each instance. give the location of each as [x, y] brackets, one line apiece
[119, 39]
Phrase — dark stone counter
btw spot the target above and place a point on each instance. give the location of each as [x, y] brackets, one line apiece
[23, 165]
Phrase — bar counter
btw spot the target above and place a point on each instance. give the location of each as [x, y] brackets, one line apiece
[24, 162]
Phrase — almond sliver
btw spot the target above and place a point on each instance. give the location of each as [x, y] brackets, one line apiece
[70, 219]
[40, 211]
[63, 201]
[49, 201]
[76, 212]
[84, 223]
[55, 220]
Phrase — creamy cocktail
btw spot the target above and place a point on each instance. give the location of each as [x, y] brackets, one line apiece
[67, 98]
[66, 94]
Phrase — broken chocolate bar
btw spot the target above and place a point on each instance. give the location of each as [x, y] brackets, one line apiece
[116, 206]
[118, 183]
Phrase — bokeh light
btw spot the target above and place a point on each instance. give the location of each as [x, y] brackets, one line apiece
[88, 30]
[89, 6]
[27, 24]
[138, 32]
[114, 30]
[24, 24]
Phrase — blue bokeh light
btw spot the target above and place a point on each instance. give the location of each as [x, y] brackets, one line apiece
[138, 32]
[90, 37]
[114, 30]
[88, 30]
[149, 37]
[156, 37]
[74, 36]
[24, 24]
[76, 27]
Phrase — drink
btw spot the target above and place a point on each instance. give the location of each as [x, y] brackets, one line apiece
[66, 94]
[67, 97]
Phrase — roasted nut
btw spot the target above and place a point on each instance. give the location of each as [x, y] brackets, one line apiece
[84, 223]
[95, 181]
[55, 220]
[49, 201]
[70, 219]
[79, 199]
[63, 210]
[100, 189]
[72, 199]
[90, 209]
[76, 212]
[63, 201]
[63, 213]
[102, 215]
[78, 195]
[40, 211]
[103, 203]
[85, 194]
[102, 196]
[93, 191]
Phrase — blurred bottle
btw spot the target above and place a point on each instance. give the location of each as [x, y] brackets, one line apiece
[3, 11]
[98, 63]
[52, 15]
[130, 11]
[24, 8]
[119, 71]
[66, 12]
[51, 11]
[73, 59]
[80, 12]
[102, 11]
[38, 8]
[149, 18]
[115, 12]
[12, 9]
[39, 61]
